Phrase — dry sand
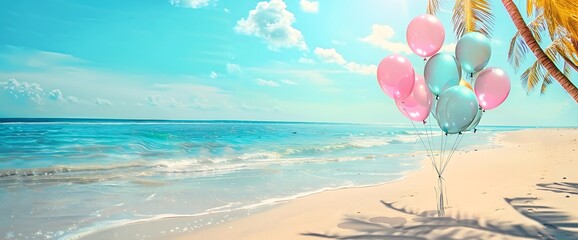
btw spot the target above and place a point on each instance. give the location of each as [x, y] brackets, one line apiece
[527, 188]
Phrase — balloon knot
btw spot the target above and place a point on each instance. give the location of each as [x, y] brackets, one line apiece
[460, 133]
[475, 130]
[471, 75]
[424, 122]
[437, 97]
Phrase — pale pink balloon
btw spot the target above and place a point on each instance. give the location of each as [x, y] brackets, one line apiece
[417, 106]
[425, 35]
[396, 76]
[492, 87]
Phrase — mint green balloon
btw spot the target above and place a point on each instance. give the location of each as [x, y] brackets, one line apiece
[456, 109]
[441, 72]
[473, 51]
[476, 121]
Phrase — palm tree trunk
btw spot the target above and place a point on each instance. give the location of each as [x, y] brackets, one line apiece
[537, 50]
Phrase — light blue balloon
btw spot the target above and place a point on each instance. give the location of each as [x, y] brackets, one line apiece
[476, 120]
[441, 72]
[473, 51]
[456, 109]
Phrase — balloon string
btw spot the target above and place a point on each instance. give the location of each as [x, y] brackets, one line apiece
[432, 138]
[444, 149]
[428, 152]
[447, 157]
[459, 139]
[423, 143]
[441, 150]
[428, 136]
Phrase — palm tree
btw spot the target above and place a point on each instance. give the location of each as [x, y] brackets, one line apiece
[555, 17]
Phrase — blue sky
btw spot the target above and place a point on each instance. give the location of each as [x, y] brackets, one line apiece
[297, 60]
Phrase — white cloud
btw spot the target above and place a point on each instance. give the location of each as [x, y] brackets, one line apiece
[25, 91]
[226, 10]
[154, 100]
[288, 82]
[271, 22]
[361, 68]
[268, 83]
[191, 3]
[171, 102]
[314, 76]
[306, 60]
[72, 99]
[161, 101]
[102, 101]
[339, 43]
[213, 75]
[330, 55]
[233, 68]
[37, 59]
[309, 6]
[381, 37]
[55, 95]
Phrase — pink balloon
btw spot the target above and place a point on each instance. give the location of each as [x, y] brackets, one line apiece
[425, 35]
[492, 87]
[396, 76]
[417, 106]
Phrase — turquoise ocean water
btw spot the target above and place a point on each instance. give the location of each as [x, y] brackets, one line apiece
[64, 178]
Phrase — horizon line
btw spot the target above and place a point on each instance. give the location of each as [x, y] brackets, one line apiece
[55, 119]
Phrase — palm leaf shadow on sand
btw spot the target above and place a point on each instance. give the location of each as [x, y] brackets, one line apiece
[559, 224]
[422, 225]
[559, 187]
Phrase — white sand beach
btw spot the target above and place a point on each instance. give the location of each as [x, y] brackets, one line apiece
[525, 187]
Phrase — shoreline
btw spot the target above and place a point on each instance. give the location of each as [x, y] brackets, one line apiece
[487, 208]
[127, 229]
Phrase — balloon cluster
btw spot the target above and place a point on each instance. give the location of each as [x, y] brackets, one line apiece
[442, 92]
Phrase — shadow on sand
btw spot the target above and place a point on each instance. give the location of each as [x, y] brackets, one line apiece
[422, 224]
[559, 187]
[559, 224]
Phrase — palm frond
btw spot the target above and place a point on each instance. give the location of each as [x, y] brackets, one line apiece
[552, 52]
[518, 51]
[560, 16]
[569, 51]
[563, 48]
[472, 16]
[537, 26]
[567, 69]
[532, 76]
[548, 79]
[433, 6]
[518, 47]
